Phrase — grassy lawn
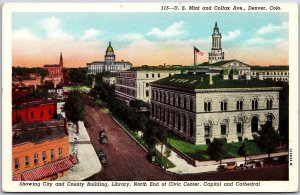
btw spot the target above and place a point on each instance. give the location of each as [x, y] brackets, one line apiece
[83, 89]
[198, 152]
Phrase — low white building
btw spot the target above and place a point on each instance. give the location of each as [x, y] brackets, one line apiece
[135, 83]
[200, 108]
[111, 80]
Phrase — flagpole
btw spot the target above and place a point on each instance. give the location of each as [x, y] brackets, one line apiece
[194, 56]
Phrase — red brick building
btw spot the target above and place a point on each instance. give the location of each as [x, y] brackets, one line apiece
[34, 111]
[55, 71]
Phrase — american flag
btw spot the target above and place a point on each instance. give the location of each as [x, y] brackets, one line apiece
[198, 52]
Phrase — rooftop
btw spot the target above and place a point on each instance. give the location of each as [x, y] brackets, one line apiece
[202, 82]
[162, 68]
[215, 64]
[36, 132]
[51, 65]
[34, 103]
[270, 67]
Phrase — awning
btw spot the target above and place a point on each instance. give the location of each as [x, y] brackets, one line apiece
[46, 171]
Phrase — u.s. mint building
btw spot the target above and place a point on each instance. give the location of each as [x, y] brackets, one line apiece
[200, 108]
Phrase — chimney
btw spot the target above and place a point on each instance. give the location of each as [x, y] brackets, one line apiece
[211, 82]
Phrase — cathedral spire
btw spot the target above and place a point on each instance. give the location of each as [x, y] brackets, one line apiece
[61, 62]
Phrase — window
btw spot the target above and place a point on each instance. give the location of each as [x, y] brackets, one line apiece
[191, 127]
[31, 114]
[207, 106]
[152, 75]
[223, 129]
[147, 93]
[269, 104]
[17, 164]
[158, 75]
[44, 157]
[207, 131]
[35, 158]
[165, 98]
[178, 122]
[26, 161]
[191, 105]
[174, 100]
[239, 127]
[59, 151]
[42, 114]
[184, 103]
[254, 124]
[147, 84]
[239, 105]
[254, 104]
[224, 105]
[52, 154]
[147, 76]
[179, 102]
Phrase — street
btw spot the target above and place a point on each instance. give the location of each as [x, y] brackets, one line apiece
[127, 160]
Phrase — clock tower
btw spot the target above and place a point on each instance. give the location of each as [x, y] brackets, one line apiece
[216, 54]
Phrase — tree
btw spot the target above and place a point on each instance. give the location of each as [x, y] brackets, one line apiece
[243, 151]
[268, 138]
[74, 108]
[162, 136]
[216, 150]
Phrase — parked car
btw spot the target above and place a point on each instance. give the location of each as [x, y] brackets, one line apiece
[102, 157]
[231, 166]
[103, 140]
[102, 134]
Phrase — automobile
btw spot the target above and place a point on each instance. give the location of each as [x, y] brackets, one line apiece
[101, 153]
[221, 168]
[231, 166]
[102, 134]
[103, 140]
[103, 160]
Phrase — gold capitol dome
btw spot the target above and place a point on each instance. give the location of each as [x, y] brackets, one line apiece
[109, 48]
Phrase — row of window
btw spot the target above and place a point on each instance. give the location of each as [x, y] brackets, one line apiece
[174, 119]
[153, 75]
[36, 158]
[239, 105]
[171, 100]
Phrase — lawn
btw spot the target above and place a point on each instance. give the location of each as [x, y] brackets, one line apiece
[198, 152]
[83, 89]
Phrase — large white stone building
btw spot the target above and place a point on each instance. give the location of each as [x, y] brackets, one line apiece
[134, 84]
[109, 64]
[200, 108]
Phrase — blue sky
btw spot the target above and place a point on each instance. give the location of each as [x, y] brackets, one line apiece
[242, 32]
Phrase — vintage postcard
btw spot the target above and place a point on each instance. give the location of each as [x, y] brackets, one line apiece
[150, 97]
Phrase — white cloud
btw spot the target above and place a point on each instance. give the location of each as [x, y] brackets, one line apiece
[172, 31]
[90, 33]
[270, 28]
[263, 42]
[52, 26]
[23, 33]
[231, 35]
[132, 36]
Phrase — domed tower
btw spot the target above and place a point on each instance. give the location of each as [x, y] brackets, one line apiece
[216, 54]
[109, 54]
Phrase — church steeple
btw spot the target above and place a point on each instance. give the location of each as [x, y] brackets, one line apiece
[61, 62]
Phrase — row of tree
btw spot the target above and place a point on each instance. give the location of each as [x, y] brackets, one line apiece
[23, 71]
[267, 141]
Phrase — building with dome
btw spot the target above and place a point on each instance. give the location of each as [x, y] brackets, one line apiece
[109, 64]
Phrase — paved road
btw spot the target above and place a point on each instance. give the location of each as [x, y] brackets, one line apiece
[127, 160]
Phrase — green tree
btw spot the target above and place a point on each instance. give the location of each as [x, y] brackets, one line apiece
[216, 150]
[243, 151]
[268, 138]
[162, 136]
[74, 108]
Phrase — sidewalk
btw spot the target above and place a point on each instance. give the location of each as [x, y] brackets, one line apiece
[182, 167]
[89, 163]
